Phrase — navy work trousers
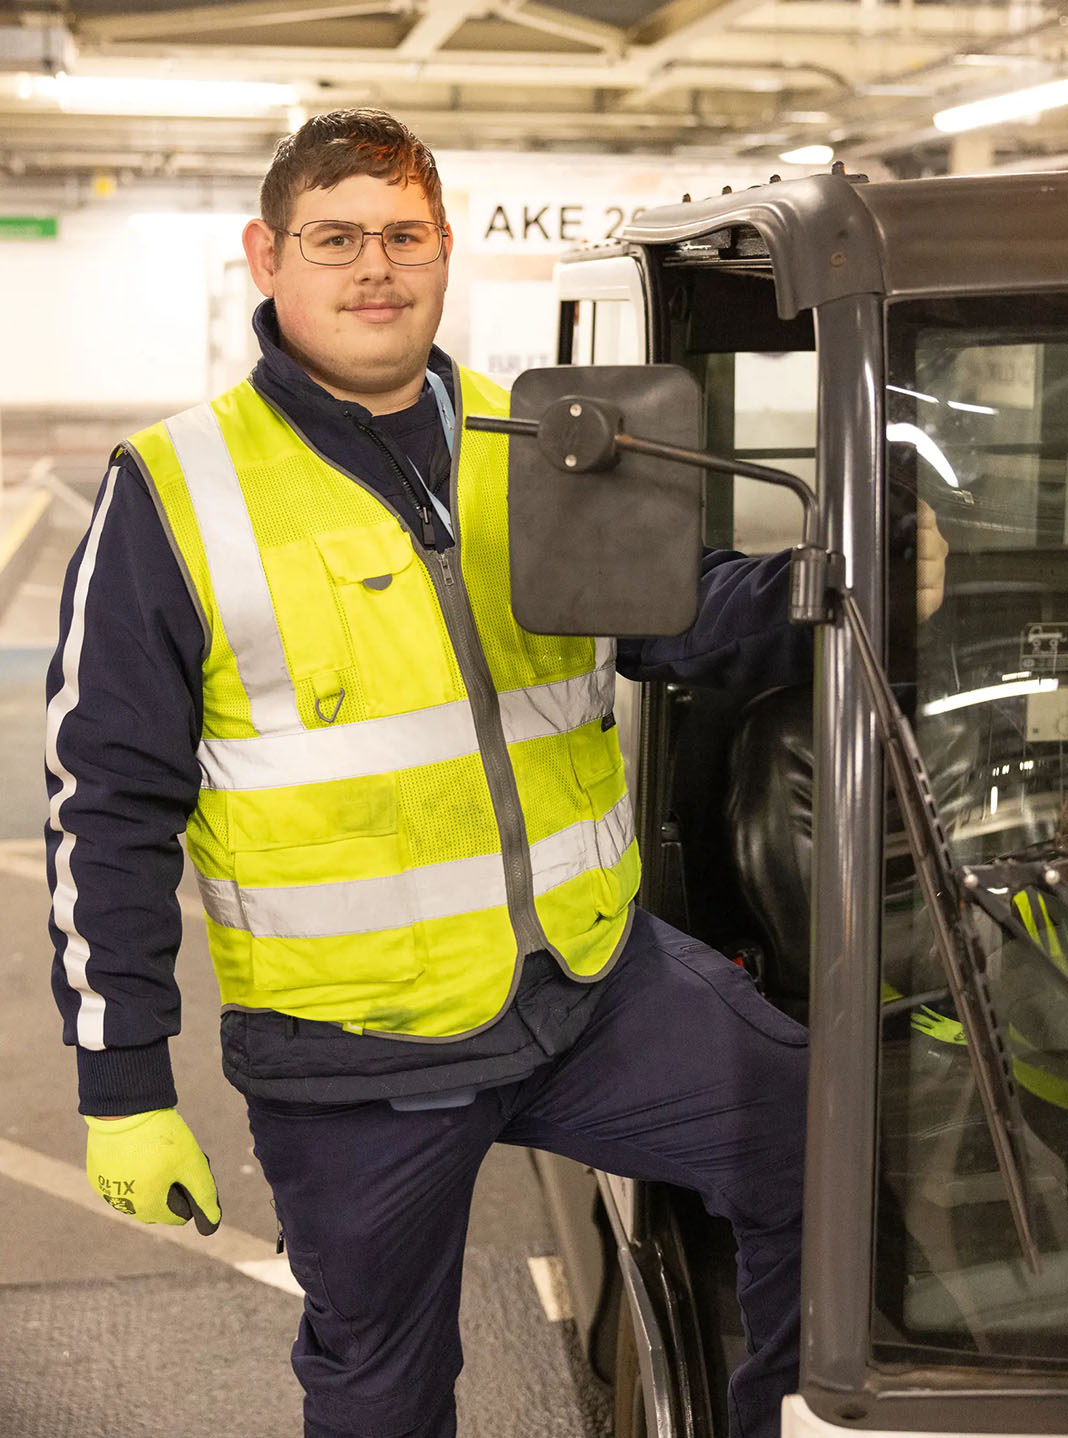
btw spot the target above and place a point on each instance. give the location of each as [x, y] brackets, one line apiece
[684, 1074]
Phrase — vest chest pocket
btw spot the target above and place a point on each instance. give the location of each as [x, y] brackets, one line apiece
[400, 644]
[303, 598]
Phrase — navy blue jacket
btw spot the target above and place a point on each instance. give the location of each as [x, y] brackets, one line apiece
[125, 717]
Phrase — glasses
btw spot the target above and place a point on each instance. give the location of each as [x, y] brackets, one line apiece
[337, 242]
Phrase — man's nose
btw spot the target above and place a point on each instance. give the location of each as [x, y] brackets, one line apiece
[372, 259]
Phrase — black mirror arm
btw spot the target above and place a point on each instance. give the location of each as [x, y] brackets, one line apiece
[618, 440]
[580, 435]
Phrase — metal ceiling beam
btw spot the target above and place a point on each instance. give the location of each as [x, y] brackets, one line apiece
[611, 39]
[540, 71]
[669, 20]
[956, 23]
[202, 19]
[518, 121]
[439, 20]
[675, 30]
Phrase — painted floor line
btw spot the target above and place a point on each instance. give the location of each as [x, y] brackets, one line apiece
[274, 1271]
[551, 1285]
[24, 848]
[54, 1176]
[22, 866]
[22, 524]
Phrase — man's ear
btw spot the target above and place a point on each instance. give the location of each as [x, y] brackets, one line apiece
[447, 251]
[259, 240]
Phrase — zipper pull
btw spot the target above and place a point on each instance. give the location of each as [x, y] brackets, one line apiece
[429, 537]
[446, 567]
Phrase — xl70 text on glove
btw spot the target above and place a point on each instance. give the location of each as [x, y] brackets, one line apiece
[150, 1166]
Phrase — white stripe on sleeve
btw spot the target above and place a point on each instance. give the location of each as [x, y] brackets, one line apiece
[90, 1028]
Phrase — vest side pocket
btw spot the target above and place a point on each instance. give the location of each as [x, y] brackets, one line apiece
[321, 873]
[368, 967]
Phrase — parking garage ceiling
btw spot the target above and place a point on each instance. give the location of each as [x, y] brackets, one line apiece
[716, 78]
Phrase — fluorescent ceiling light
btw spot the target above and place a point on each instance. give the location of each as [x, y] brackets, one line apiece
[1016, 105]
[165, 95]
[989, 694]
[809, 155]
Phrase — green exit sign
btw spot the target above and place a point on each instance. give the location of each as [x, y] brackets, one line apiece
[28, 227]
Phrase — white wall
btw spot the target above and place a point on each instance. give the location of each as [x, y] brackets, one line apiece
[112, 313]
[124, 309]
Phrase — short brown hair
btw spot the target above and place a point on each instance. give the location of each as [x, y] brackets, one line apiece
[329, 148]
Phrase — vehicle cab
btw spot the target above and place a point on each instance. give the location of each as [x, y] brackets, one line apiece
[896, 346]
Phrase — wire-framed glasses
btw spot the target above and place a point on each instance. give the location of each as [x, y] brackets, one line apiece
[339, 242]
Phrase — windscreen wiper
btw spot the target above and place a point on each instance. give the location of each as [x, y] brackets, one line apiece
[948, 891]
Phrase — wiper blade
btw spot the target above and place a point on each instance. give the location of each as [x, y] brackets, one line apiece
[946, 895]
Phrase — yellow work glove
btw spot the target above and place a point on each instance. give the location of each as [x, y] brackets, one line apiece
[150, 1166]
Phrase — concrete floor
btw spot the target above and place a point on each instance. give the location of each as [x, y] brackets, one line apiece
[111, 1328]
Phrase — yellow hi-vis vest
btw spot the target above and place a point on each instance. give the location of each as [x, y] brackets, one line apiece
[402, 791]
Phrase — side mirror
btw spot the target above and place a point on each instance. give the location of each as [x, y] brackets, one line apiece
[604, 503]
[604, 540]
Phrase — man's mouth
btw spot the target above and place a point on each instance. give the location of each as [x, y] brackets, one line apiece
[370, 308]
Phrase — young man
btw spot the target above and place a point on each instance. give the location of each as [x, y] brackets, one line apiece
[288, 632]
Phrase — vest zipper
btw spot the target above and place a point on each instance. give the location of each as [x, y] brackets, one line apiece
[429, 535]
[500, 777]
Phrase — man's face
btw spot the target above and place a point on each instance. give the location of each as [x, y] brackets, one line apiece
[362, 330]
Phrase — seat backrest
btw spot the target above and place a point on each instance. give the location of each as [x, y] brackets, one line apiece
[768, 811]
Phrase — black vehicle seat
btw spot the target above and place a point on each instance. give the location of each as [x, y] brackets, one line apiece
[768, 812]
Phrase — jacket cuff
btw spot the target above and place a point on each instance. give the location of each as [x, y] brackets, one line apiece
[116, 1082]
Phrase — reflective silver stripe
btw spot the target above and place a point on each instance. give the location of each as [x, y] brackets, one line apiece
[403, 741]
[310, 911]
[555, 708]
[589, 844]
[90, 1022]
[437, 891]
[344, 751]
[236, 568]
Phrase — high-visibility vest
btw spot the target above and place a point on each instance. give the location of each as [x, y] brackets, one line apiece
[403, 792]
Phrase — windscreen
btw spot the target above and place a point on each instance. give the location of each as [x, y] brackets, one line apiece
[977, 438]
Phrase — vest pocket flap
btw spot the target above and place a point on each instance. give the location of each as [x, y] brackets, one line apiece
[306, 609]
[367, 554]
[339, 872]
[312, 816]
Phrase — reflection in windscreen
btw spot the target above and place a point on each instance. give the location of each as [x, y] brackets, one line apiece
[977, 426]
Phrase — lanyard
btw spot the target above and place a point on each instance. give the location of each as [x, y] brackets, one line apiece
[447, 415]
[445, 409]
